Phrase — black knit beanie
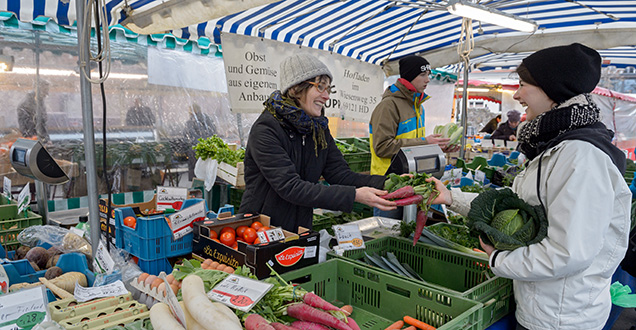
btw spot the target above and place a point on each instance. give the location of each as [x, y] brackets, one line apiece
[564, 71]
[411, 66]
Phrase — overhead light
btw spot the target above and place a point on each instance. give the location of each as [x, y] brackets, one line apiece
[69, 73]
[6, 63]
[474, 90]
[482, 13]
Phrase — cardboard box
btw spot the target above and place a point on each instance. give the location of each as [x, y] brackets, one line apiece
[293, 252]
[140, 209]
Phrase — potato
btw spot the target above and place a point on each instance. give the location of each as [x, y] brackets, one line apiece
[52, 261]
[53, 251]
[35, 266]
[39, 256]
[53, 272]
[21, 252]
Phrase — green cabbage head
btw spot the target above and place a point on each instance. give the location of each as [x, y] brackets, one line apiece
[506, 221]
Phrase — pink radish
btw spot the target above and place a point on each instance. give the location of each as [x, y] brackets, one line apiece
[280, 326]
[304, 325]
[315, 300]
[420, 222]
[403, 192]
[257, 322]
[353, 324]
[305, 312]
[415, 199]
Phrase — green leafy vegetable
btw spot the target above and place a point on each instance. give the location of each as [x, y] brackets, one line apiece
[346, 148]
[507, 221]
[214, 147]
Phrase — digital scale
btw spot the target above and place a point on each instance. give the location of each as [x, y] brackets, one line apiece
[427, 158]
[29, 158]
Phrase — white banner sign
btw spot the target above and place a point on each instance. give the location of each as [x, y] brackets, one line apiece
[252, 69]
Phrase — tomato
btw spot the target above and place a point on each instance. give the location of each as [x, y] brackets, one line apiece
[227, 238]
[216, 240]
[256, 224]
[227, 229]
[240, 230]
[135, 259]
[257, 241]
[130, 221]
[250, 235]
[213, 234]
[264, 228]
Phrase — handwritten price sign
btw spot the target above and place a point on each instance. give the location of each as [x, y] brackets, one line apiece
[239, 292]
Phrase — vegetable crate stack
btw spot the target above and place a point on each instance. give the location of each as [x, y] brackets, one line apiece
[459, 274]
[12, 223]
[104, 313]
[379, 298]
[294, 250]
[142, 209]
[356, 153]
[150, 238]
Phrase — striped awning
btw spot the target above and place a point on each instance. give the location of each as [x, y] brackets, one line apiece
[381, 31]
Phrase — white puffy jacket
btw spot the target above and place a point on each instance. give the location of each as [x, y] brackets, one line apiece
[563, 281]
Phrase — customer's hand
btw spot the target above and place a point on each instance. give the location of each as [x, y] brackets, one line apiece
[512, 138]
[371, 197]
[486, 247]
[444, 196]
[452, 148]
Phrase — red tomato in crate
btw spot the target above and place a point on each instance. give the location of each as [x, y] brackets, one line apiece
[264, 228]
[130, 221]
[227, 238]
[256, 224]
[240, 230]
[227, 229]
[250, 235]
[213, 234]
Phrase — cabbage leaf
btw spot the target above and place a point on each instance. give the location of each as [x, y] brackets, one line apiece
[505, 221]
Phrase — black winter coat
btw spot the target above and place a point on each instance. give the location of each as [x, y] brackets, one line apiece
[503, 132]
[282, 173]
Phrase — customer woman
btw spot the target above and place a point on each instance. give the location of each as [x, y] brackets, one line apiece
[575, 174]
[290, 148]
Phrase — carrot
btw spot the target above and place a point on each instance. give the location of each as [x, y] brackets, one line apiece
[415, 199]
[304, 325]
[305, 312]
[352, 323]
[417, 323]
[410, 328]
[403, 192]
[420, 222]
[395, 326]
[257, 322]
[314, 300]
[280, 326]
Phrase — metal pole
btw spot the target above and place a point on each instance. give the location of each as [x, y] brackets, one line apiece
[83, 42]
[41, 194]
[464, 120]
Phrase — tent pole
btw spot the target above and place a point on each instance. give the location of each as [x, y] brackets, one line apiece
[83, 42]
[464, 119]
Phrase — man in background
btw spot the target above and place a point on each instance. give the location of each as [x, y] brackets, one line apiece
[492, 125]
[139, 115]
[32, 115]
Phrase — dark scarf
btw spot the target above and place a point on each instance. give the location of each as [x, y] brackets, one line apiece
[290, 116]
[575, 119]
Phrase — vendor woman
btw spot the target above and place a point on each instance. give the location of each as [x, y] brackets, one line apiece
[290, 148]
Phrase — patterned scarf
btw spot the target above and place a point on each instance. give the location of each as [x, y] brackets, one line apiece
[536, 135]
[290, 116]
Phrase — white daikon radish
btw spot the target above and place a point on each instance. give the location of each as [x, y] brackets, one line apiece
[202, 309]
[162, 319]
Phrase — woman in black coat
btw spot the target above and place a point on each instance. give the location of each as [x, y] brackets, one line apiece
[290, 148]
[508, 130]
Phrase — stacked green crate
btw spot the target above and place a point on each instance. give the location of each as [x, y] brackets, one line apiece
[12, 223]
[356, 154]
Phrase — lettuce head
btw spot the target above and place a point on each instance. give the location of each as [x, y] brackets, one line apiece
[505, 221]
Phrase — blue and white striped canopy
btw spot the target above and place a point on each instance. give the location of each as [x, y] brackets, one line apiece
[381, 31]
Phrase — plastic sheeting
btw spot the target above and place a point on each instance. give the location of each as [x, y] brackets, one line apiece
[152, 121]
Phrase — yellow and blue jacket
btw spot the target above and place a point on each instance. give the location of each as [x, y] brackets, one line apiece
[397, 121]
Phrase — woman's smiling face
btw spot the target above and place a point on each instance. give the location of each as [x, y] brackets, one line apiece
[534, 99]
[313, 100]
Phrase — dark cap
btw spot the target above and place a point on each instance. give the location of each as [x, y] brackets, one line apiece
[411, 67]
[563, 72]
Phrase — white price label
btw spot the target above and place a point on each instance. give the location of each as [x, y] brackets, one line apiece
[83, 294]
[239, 292]
[166, 196]
[349, 237]
[4, 281]
[24, 199]
[456, 175]
[181, 222]
[23, 309]
[271, 235]
[6, 188]
[480, 176]
[103, 262]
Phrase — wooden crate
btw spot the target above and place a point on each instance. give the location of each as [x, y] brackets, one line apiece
[234, 175]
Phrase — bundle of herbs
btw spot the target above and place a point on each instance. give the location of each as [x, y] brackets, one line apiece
[214, 147]
[405, 190]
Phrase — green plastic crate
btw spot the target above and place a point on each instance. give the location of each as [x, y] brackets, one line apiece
[447, 270]
[357, 142]
[236, 196]
[379, 299]
[4, 201]
[358, 161]
[12, 223]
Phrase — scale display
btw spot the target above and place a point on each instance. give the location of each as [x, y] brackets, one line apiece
[427, 164]
[419, 159]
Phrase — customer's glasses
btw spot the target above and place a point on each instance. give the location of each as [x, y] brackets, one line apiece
[323, 86]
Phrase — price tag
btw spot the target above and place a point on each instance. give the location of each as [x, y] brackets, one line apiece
[480, 176]
[239, 292]
[4, 281]
[275, 234]
[24, 199]
[23, 309]
[349, 237]
[172, 302]
[456, 176]
[83, 294]
[6, 188]
[166, 196]
[181, 222]
[103, 261]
